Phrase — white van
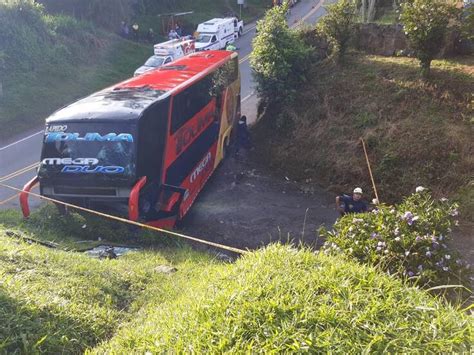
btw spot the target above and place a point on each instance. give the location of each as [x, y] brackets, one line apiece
[215, 34]
[166, 52]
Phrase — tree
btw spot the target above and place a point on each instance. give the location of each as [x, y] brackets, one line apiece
[339, 24]
[279, 59]
[426, 23]
[367, 10]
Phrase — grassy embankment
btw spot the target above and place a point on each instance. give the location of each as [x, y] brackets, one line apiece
[417, 132]
[276, 299]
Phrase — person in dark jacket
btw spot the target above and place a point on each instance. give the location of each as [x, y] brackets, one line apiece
[243, 135]
[351, 204]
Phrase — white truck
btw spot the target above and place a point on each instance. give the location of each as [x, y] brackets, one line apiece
[238, 26]
[215, 34]
[166, 52]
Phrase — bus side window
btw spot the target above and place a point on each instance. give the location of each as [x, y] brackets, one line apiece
[189, 102]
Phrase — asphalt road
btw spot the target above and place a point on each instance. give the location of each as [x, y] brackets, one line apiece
[20, 152]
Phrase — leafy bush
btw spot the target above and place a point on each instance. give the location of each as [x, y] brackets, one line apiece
[339, 24]
[426, 23]
[279, 59]
[410, 239]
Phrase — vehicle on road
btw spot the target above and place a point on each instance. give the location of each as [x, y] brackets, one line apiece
[166, 52]
[215, 34]
[143, 148]
[238, 26]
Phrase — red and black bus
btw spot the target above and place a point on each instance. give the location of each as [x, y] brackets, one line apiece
[145, 147]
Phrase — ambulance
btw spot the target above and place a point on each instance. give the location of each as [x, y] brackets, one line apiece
[215, 34]
[167, 52]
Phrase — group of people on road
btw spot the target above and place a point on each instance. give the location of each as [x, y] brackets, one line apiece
[176, 32]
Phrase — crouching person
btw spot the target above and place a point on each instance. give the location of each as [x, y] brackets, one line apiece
[351, 204]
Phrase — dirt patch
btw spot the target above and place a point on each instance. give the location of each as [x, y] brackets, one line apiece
[245, 206]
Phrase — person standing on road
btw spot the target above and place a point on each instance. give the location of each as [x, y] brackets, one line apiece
[243, 135]
[351, 204]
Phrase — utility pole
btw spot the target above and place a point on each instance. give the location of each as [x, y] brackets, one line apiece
[240, 3]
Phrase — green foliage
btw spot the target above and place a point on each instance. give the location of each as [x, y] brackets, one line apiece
[339, 24]
[283, 300]
[467, 23]
[425, 23]
[105, 13]
[279, 59]
[410, 239]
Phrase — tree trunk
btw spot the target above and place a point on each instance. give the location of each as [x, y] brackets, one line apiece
[371, 10]
[425, 65]
[363, 11]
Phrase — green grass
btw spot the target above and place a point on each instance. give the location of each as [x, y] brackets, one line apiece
[55, 301]
[283, 300]
[278, 299]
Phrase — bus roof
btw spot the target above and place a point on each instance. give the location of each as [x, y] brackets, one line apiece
[128, 99]
[178, 74]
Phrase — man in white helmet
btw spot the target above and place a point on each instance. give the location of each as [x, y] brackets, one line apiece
[351, 204]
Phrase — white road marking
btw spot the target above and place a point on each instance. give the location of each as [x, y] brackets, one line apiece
[247, 97]
[247, 31]
[21, 140]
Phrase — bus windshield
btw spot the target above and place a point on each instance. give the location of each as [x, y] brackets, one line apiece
[88, 150]
[154, 61]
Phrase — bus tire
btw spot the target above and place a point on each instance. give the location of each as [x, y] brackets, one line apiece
[62, 209]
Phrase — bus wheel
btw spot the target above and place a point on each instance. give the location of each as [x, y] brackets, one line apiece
[62, 209]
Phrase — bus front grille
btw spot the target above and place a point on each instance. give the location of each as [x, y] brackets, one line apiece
[84, 191]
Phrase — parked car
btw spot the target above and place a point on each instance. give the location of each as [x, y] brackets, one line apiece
[155, 61]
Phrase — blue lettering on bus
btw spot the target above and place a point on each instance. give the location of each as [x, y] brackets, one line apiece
[87, 169]
[88, 137]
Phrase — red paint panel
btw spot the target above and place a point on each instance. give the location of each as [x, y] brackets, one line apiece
[188, 133]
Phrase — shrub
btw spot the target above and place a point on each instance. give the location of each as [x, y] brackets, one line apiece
[339, 24]
[410, 239]
[279, 59]
[426, 23]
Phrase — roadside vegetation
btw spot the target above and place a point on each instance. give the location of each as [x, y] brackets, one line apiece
[412, 240]
[418, 131]
[57, 301]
